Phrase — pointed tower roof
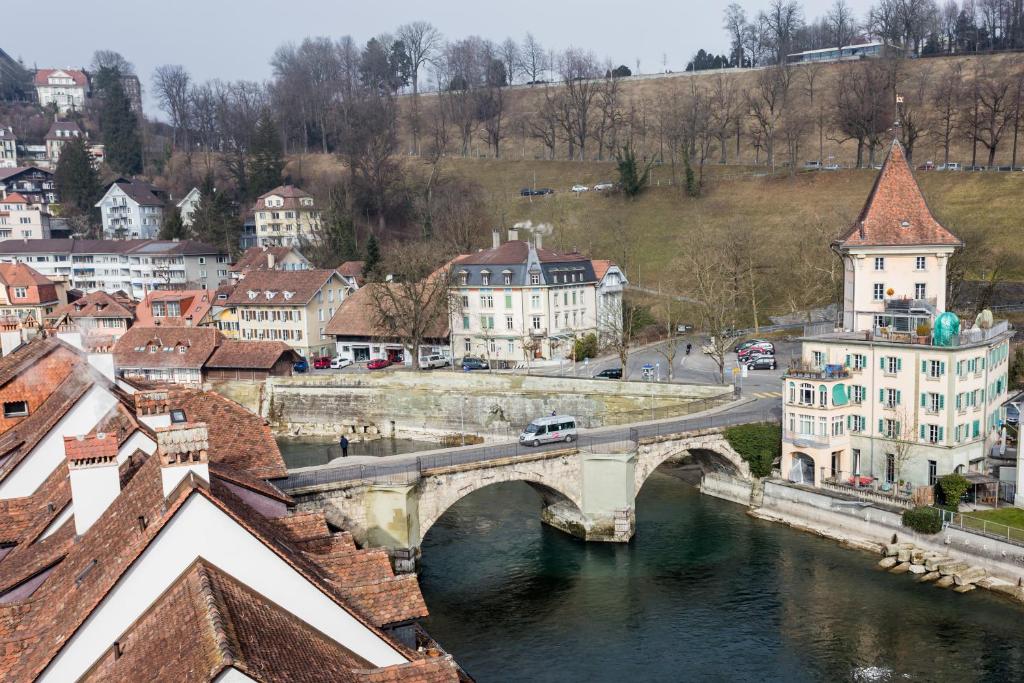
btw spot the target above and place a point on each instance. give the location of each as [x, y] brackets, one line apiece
[896, 213]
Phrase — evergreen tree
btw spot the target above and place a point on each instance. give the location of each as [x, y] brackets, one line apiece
[692, 186]
[173, 227]
[266, 163]
[372, 258]
[214, 220]
[77, 181]
[119, 126]
[632, 177]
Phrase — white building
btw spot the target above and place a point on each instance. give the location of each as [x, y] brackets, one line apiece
[66, 89]
[187, 206]
[285, 216]
[22, 219]
[132, 266]
[8, 148]
[519, 293]
[60, 133]
[132, 209]
[902, 390]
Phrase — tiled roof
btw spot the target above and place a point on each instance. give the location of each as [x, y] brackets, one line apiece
[601, 267]
[353, 269]
[285, 287]
[71, 128]
[76, 75]
[6, 173]
[96, 304]
[288, 193]
[134, 348]
[239, 476]
[143, 193]
[85, 447]
[515, 252]
[895, 213]
[193, 304]
[14, 198]
[22, 275]
[255, 258]
[253, 355]
[359, 315]
[26, 355]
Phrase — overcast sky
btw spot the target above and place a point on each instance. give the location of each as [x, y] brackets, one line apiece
[231, 39]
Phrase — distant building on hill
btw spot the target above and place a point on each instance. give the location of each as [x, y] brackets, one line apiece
[66, 89]
[187, 206]
[23, 219]
[31, 182]
[60, 133]
[132, 209]
[284, 216]
[8, 148]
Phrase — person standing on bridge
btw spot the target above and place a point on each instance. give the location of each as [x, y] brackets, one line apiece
[344, 446]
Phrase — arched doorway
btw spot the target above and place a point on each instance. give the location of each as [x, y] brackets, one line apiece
[801, 469]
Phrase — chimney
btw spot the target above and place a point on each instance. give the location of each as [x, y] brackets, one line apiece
[182, 449]
[270, 260]
[495, 238]
[513, 234]
[94, 475]
[153, 408]
[539, 238]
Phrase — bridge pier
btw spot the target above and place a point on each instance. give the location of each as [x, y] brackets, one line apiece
[608, 496]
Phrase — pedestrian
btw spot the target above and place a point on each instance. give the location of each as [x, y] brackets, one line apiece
[688, 347]
[553, 413]
[344, 446]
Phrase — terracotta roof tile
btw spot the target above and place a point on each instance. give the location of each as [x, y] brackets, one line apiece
[286, 287]
[255, 355]
[359, 315]
[515, 252]
[77, 75]
[193, 305]
[199, 344]
[255, 258]
[98, 304]
[438, 670]
[895, 213]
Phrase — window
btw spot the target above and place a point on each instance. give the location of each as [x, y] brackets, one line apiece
[920, 290]
[535, 301]
[933, 402]
[485, 278]
[879, 291]
[508, 278]
[534, 278]
[857, 361]
[15, 408]
[822, 426]
[890, 398]
[879, 263]
[837, 426]
[511, 347]
[465, 301]
[858, 423]
[819, 359]
[487, 322]
[536, 322]
[806, 424]
[933, 468]
[933, 368]
[891, 364]
[807, 394]
[890, 467]
[20, 292]
[856, 460]
[465, 322]
[792, 393]
[857, 393]
[890, 428]
[823, 396]
[508, 301]
[919, 263]
[468, 345]
[931, 433]
[202, 260]
[486, 301]
[508, 322]
[463, 278]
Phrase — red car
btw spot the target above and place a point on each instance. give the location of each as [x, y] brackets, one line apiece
[378, 364]
[322, 363]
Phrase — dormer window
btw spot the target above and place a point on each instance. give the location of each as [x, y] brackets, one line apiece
[269, 294]
[535, 278]
[182, 348]
[153, 348]
[904, 224]
[507, 276]
[485, 277]
[288, 295]
[15, 408]
[463, 278]
[252, 294]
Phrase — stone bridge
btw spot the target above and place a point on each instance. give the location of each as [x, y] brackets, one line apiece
[587, 492]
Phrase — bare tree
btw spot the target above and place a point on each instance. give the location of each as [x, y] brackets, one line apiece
[579, 71]
[511, 58]
[709, 284]
[544, 125]
[768, 102]
[735, 22]
[993, 110]
[724, 106]
[490, 111]
[816, 102]
[172, 83]
[617, 330]
[841, 23]
[783, 18]
[945, 105]
[534, 59]
[864, 102]
[421, 41]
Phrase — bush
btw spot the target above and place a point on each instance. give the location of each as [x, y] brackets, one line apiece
[759, 444]
[953, 486]
[924, 520]
[585, 347]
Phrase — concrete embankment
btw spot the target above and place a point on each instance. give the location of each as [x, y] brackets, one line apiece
[444, 401]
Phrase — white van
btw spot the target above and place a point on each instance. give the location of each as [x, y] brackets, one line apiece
[433, 361]
[549, 429]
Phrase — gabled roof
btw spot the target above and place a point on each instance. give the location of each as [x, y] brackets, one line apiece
[76, 75]
[194, 305]
[255, 258]
[139, 191]
[288, 193]
[280, 287]
[71, 127]
[359, 315]
[352, 269]
[249, 355]
[14, 198]
[515, 252]
[895, 213]
[96, 304]
[133, 348]
[22, 275]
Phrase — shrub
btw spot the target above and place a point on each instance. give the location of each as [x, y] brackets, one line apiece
[924, 520]
[759, 444]
[923, 329]
[953, 486]
[585, 347]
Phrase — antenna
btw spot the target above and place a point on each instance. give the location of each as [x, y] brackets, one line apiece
[898, 124]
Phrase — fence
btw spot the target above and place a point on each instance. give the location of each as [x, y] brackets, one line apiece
[867, 488]
[984, 527]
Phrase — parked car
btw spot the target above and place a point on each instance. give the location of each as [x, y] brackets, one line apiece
[754, 352]
[338, 362]
[604, 185]
[927, 166]
[952, 166]
[322, 363]
[433, 361]
[378, 364]
[549, 429]
[579, 188]
[543, 191]
[473, 364]
[812, 165]
[762, 363]
[300, 365]
[748, 343]
[527, 192]
[683, 328]
[832, 167]
[1012, 414]
[610, 373]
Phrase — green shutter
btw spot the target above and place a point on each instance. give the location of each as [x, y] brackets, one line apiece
[942, 401]
[899, 364]
[924, 400]
[982, 362]
[942, 368]
[899, 397]
[881, 362]
[848, 361]
[924, 366]
[922, 431]
[881, 426]
[942, 433]
[959, 401]
[848, 421]
[881, 395]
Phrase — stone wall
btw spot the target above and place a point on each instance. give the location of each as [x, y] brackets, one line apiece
[727, 487]
[497, 404]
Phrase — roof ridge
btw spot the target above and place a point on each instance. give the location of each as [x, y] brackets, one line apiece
[221, 627]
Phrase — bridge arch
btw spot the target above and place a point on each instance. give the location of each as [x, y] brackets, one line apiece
[711, 451]
[439, 492]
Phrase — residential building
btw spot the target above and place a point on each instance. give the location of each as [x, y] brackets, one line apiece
[901, 390]
[141, 540]
[284, 216]
[352, 272]
[359, 336]
[176, 308]
[187, 206]
[248, 239]
[224, 315]
[165, 354]
[517, 299]
[65, 89]
[20, 218]
[8, 148]
[251, 361]
[132, 209]
[131, 266]
[293, 306]
[60, 133]
[33, 183]
[99, 317]
[25, 295]
[611, 283]
[268, 258]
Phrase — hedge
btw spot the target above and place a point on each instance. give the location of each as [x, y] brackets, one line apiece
[759, 444]
[924, 520]
[953, 487]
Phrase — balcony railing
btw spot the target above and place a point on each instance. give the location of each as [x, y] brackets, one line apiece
[804, 370]
[806, 440]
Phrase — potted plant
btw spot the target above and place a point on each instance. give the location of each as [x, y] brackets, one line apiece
[924, 330]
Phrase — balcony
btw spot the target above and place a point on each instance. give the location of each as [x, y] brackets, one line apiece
[800, 369]
[542, 332]
[799, 440]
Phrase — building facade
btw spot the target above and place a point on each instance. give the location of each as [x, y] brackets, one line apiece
[26, 295]
[284, 216]
[8, 148]
[22, 219]
[59, 134]
[268, 258]
[65, 89]
[518, 299]
[132, 209]
[97, 316]
[187, 206]
[901, 392]
[293, 306]
[32, 183]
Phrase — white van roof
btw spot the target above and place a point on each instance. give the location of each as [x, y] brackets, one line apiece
[552, 418]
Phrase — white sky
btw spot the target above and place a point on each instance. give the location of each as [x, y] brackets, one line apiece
[231, 39]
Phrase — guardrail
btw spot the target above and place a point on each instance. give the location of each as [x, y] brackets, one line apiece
[983, 527]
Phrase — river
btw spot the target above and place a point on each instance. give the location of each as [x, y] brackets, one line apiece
[702, 593]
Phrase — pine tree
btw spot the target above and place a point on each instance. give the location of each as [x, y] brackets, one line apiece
[266, 164]
[119, 126]
[372, 258]
[632, 178]
[214, 220]
[77, 181]
[173, 227]
[692, 186]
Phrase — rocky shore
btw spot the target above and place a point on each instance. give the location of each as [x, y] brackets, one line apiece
[946, 572]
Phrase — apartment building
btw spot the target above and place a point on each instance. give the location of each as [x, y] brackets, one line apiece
[284, 216]
[132, 209]
[60, 133]
[187, 206]
[293, 306]
[176, 308]
[65, 89]
[20, 218]
[26, 295]
[517, 299]
[8, 148]
[131, 266]
[33, 183]
[902, 390]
